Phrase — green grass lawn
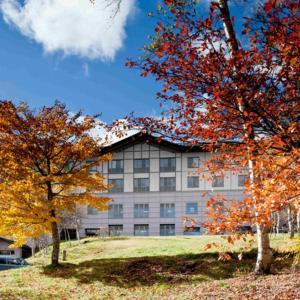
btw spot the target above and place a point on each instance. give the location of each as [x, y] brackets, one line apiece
[133, 268]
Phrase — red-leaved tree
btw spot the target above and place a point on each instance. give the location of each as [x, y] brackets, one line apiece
[242, 99]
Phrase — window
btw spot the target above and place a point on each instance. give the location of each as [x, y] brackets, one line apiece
[92, 169]
[167, 229]
[167, 184]
[193, 162]
[141, 210]
[241, 180]
[141, 165]
[92, 211]
[7, 252]
[141, 184]
[167, 210]
[115, 230]
[91, 231]
[218, 181]
[191, 230]
[192, 208]
[68, 234]
[115, 211]
[115, 166]
[217, 163]
[141, 229]
[193, 181]
[117, 185]
[167, 164]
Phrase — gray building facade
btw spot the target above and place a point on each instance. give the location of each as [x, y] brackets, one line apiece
[156, 185]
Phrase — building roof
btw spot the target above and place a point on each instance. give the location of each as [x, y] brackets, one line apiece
[8, 241]
[153, 140]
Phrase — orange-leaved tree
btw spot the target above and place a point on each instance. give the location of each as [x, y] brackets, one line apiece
[240, 98]
[45, 161]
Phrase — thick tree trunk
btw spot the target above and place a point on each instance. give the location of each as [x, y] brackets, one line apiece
[291, 222]
[54, 227]
[55, 243]
[264, 255]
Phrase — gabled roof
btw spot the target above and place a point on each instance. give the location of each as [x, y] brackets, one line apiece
[141, 137]
[8, 241]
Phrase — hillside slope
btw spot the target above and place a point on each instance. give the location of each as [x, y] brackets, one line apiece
[151, 268]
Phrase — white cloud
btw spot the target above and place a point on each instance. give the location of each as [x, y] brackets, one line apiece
[215, 45]
[75, 27]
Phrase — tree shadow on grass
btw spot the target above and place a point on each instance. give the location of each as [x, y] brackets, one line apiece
[148, 271]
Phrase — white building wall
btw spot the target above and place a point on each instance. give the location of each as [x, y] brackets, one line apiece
[154, 197]
[4, 246]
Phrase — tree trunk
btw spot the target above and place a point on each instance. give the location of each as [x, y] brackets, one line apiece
[264, 255]
[65, 234]
[278, 222]
[264, 252]
[298, 221]
[291, 222]
[228, 26]
[33, 249]
[274, 223]
[77, 234]
[55, 243]
[69, 238]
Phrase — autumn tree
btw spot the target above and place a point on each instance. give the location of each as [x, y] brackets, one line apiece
[238, 99]
[45, 161]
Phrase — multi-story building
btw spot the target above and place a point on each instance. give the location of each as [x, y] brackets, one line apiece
[156, 184]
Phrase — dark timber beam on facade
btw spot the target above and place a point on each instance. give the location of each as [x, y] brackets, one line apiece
[157, 141]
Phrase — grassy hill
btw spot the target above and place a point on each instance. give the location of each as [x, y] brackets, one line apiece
[144, 268]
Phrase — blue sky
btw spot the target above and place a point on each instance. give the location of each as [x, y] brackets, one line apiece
[104, 85]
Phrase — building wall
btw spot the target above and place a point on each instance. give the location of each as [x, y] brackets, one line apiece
[154, 197]
[4, 246]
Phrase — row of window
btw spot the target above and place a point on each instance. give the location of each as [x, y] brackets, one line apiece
[116, 166]
[7, 252]
[167, 184]
[141, 210]
[143, 230]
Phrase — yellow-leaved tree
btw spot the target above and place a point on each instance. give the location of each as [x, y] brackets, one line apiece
[45, 161]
